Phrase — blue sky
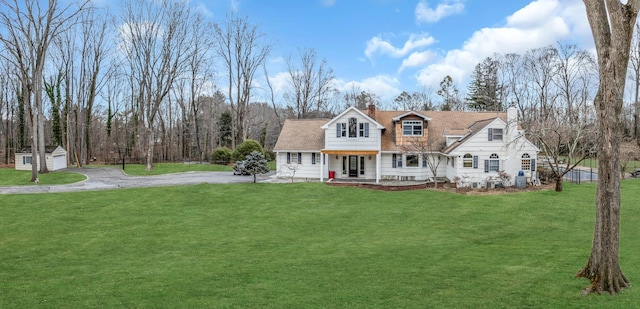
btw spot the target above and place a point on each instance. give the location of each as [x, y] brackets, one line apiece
[389, 46]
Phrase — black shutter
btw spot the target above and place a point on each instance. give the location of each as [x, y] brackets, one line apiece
[366, 129]
[313, 158]
[475, 161]
[400, 161]
[338, 130]
[288, 158]
[533, 165]
[394, 162]
[486, 166]
[299, 157]
[490, 134]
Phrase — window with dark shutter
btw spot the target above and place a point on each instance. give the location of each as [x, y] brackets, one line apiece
[394, 160]
[288, 158]
[299, 157]
[486, 166]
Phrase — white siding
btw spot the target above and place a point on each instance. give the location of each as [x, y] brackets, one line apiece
[510, 155]
[302, 170]
[419, 173]
[349, 143]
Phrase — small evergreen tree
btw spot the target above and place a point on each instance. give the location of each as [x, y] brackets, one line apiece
[254, 163]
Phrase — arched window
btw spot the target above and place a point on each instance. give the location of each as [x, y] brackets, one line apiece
[467, 160]
[525, 162]
[493, 164]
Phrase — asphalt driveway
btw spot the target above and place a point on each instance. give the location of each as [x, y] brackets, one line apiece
[111, 178]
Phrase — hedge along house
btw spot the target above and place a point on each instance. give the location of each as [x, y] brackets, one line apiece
[56, 158]
[470, 148]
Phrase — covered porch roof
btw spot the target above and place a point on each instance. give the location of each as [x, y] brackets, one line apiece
[349, 152]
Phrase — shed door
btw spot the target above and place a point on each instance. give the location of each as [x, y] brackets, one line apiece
[59, 162]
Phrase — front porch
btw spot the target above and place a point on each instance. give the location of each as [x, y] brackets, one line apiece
[357, 165]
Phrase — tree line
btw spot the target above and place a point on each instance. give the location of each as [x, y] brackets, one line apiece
[142, 84]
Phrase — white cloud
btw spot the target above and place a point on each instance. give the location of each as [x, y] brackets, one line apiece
[235, 6]
[202, 9]
[424, 13]
[417, 59]
[539, 24]
[377, 45]
[384, 86]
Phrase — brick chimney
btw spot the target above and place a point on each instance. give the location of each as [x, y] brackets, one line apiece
[372, 111]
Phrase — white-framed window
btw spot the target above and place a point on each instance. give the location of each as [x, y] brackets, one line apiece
[341, 129]
[27, 160]
[412, 160]
[525, 162]
[353, 127]
[295, 158]
[396, 160]
[412, 128]
[493, 164]
[363, 129]
[495, 134]
[467, 160]
[345, 165]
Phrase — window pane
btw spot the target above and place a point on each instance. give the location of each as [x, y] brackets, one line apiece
[467, 160]
[353, 127]
[412, 161]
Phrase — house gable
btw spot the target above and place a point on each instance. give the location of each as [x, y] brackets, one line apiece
[351, 110]
[352, 130]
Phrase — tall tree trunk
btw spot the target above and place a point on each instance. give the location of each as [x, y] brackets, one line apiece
[612, 25]
[603, 269]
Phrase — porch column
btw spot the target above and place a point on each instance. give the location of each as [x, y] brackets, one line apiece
[378, 166]
[322, 162]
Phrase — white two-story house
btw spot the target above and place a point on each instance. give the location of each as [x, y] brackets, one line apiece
[470, 148]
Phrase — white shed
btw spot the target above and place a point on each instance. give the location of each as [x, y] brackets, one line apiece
[56, 158]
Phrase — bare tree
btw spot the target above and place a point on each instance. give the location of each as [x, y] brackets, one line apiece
[541, 66]
[155, 38]
[242, 50]
[612, 25]
[30, 29]
[419, 100]
[450, 95]
[565, 145]
[309, 84]
[426, 150]
[572, 77]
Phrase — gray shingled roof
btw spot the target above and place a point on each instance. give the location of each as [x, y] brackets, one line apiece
[301, 134]
[307, 134]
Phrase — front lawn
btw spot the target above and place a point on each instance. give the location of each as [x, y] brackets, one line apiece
[306, 245]
[11, 177]
[169, 168]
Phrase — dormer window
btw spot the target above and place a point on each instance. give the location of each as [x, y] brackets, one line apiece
[412, 128]
[495, 134]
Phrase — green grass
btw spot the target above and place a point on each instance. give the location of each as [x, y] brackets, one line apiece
[11, 177]
[167, 168]
[306, 245]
